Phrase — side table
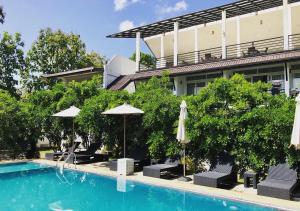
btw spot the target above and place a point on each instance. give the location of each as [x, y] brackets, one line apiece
[247, 179]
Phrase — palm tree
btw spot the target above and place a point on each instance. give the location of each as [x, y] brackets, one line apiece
[2, 15]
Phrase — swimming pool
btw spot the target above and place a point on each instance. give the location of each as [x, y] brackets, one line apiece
[51, 189]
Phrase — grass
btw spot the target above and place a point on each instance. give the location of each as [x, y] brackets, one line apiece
[43, 152]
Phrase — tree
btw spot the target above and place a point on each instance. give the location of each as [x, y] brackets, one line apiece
[2, 15]
[161, 109]
[146, 60]
[11, 61]
[44, 103]
[53, 52]
[18, 133]
[243, 119]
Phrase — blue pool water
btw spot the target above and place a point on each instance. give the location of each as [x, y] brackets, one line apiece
[20, 166]
[49, 189]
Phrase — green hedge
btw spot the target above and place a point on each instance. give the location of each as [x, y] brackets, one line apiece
[233, 115]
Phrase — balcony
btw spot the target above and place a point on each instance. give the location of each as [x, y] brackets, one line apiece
[243, 50]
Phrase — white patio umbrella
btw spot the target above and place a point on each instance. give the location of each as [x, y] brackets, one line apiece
[124, 110]
[181, 134]
[71, 112]
[295, 140]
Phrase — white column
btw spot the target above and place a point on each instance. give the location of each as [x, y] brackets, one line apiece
[175, 47]
[224, 34]
[287, 23]
[196, 45]
[138, 51]
[162, 52]
[238, 36]
[287, 79]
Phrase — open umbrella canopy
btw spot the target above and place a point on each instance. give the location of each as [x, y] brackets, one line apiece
[124, 109]
[70, 112]
[181, 132]
[295, 140]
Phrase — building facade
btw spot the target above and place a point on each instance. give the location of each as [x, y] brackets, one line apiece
[257, 38]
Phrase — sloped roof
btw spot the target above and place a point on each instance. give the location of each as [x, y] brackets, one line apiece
[73, 72]
[212, 66]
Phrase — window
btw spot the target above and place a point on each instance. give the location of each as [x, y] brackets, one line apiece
[194, 88]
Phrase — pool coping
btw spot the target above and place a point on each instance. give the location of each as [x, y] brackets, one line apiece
[243, 197]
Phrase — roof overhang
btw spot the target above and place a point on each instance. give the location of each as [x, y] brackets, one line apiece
[275, 58]
[201, 17]
[83, 71]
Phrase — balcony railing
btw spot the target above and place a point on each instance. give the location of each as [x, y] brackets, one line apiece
[255, 48]
[247, 49]
[294, 42]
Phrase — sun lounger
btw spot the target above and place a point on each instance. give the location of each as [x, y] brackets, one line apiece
[222, 173]
[170, 165]
[85, 156]
[56, 155]
[280, 182]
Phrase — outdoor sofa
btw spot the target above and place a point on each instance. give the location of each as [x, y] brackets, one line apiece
[170, 166]
[222, 173]
[280, 182]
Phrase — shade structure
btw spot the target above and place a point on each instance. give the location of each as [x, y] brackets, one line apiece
[295, 140]
[71, 112]
[124, 110]
[181, 133]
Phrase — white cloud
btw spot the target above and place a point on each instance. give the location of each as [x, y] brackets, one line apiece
[179, 6]
[122, 4]
[126, 25]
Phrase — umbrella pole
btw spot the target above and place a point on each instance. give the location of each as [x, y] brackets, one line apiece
[73, 133]
[184, 160]
[124, 134]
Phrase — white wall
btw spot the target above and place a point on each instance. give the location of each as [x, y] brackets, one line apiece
[116, 67]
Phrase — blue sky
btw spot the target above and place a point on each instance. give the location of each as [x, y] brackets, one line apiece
[94, 19]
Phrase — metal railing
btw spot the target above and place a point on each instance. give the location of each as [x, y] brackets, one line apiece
[294, 41]
[202, 56]
[255, 48]
[247, 49]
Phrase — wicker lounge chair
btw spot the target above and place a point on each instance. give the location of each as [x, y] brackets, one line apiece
[280, 182]
[86, 156]
[56, 155]
[170, 165]
[222, 173]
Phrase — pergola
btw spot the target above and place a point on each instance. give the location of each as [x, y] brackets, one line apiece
[201, 17]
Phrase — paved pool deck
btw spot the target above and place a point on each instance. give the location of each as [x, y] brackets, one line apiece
[238, 193]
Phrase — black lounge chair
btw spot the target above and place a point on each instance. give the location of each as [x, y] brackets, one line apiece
[57, 155]
[221, 174]
[170, 166]
[85, 156]
[280, 182]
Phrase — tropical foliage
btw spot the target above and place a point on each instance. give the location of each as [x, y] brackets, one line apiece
[53, 52]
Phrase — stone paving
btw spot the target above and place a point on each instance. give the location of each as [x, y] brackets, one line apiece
[237, 193]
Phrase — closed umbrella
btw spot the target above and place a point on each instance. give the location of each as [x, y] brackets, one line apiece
[182, 136]
[124, 110]
[295, 140]
[71, 112]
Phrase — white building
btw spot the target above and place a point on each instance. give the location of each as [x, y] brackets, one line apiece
[258, 38]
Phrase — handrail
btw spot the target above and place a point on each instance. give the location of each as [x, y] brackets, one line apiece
[68, 157]
[245, 49]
